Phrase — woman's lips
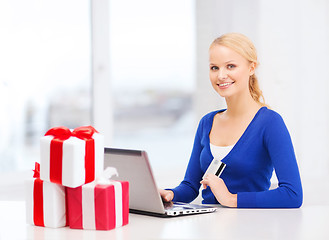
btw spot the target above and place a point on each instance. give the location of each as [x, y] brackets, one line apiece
[225, 85]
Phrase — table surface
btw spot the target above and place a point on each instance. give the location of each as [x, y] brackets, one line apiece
[308, 222]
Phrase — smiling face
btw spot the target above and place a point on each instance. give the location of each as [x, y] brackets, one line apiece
[229, 72]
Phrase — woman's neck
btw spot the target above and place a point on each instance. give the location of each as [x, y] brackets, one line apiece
[240, 106]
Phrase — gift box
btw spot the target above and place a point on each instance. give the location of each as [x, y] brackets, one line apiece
[100, 205]
[45, 202]
[71, 158]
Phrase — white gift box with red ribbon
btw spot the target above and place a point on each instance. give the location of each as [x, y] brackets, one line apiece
[100, 205]
[45, 203]
[71, 158]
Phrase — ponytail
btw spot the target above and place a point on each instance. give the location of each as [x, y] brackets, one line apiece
[255, 91]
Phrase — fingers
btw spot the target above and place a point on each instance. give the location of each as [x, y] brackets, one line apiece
[166, 195]
[204, 183]
[210, 180]
[169, 196]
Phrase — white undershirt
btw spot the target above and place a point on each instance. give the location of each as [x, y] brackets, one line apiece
[219, 152]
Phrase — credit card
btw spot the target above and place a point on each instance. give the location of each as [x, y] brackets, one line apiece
[216, 167]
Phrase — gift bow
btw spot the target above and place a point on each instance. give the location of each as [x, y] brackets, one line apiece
[36, 170]
[63, 133]
[105, 177]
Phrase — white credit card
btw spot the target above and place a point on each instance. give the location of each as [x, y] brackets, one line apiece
[216, 167]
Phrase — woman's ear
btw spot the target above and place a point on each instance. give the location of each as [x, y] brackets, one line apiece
[252, 68]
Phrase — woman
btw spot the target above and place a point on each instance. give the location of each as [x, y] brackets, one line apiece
[249, 138]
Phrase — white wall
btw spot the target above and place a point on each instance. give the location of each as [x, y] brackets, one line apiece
[294, 53]
[292, 39]
[214, 18]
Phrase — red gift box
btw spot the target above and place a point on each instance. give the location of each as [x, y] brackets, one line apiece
[99, 206]
[45, 202]
[71, 158]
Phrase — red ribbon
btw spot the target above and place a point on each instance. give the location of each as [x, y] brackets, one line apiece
[56, 151]
[38, 198]
[86, 133]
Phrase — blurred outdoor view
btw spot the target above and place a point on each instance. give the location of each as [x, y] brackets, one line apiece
[46, 76]
[153, 79]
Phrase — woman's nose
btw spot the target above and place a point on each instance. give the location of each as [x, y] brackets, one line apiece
[222, 74]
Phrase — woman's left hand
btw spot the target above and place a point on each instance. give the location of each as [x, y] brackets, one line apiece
[219, 189]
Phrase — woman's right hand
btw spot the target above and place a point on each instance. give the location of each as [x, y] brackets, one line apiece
[166, 195]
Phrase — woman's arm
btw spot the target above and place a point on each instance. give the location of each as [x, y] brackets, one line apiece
[289, 193]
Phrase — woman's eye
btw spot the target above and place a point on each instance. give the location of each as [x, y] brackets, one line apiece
[230, 66]
[213, 68]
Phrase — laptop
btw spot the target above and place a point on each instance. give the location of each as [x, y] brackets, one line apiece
[144, 198]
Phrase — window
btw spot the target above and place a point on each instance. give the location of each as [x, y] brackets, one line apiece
[152, 79]
[45, 74]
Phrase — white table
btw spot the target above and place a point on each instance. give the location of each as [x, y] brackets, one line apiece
[308, 222]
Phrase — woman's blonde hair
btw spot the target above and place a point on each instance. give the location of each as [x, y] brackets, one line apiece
[242, 45]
